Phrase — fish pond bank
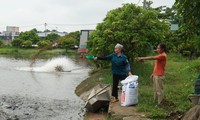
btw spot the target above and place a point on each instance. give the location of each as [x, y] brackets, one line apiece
[181, 73]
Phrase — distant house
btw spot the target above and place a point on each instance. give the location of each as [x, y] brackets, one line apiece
[42, 35]
[84, 37]
[10, 33]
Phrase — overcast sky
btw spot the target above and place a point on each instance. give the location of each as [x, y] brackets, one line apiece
[63, 15]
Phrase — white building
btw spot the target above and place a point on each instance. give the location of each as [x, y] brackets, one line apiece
[11, 32]
[13, 29]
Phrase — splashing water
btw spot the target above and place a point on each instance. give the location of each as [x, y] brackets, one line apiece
[54, 65]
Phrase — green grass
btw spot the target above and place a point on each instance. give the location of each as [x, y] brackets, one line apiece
[180, 76]
[28, 53]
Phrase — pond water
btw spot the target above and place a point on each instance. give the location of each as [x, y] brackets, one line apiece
[39, 92]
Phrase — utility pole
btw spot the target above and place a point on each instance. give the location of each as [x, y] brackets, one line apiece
[144, 4]
[45, 28]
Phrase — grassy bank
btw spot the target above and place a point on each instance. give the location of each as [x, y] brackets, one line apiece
[180, 76]
[96, 77]
[28, 53]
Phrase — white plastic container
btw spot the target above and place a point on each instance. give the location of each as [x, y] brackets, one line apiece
[129, 94]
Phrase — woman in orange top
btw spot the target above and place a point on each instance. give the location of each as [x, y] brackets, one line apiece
[158, 74]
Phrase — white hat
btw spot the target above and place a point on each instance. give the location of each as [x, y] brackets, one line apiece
[119, 46]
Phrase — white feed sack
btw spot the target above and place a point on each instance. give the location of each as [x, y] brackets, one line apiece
[129, 94]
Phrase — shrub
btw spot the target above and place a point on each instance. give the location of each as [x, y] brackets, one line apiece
[43, 43]
[2, 43]
[26, 44]
[16, 42]
[67, 43]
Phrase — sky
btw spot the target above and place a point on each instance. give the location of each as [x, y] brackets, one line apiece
[61, 15]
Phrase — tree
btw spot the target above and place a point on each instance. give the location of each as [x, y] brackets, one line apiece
[168, 14]
[136, 28]
[67, 42]
[16, 42]
[190, 12]
[29, 35]
[54, 31]
[52, 37]
[148, 4]
[190, 24]
[43, 43]
[75, 35]
[73, 38]
[26, 44]
[47, 30]
[35, 30]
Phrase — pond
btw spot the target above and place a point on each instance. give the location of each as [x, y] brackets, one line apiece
[40, 92]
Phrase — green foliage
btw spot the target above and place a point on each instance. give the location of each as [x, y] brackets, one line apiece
[192, 45]
[73, 38]
[52, 37]
[35, 30]
[28, 53]
[43, 43]
[26, 44]
[169, 14]
[47, 30]
[190, 24]
[75, 35]
[137, 29]
[2, 43]
[16, 42]
[172, 41]
[180, 76]
[29, 35]
[66, 42]
[189, 10]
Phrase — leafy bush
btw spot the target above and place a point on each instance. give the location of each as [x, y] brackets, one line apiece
[186, 53]
[43, 43]
[52, 37]
[26, 44]
[16, 42]
[191, 45]
[29, 35]
[67, 42]
[2, 43]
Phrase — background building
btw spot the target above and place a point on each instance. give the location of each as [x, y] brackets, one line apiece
[84, 37]
[11, 32]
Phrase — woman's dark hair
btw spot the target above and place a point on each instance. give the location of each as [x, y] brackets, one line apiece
[163, 46]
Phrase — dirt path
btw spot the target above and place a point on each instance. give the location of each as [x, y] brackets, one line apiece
[118, 112]
[95, 116]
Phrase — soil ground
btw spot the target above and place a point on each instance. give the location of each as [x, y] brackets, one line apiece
[118, 112]
[96, 116]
